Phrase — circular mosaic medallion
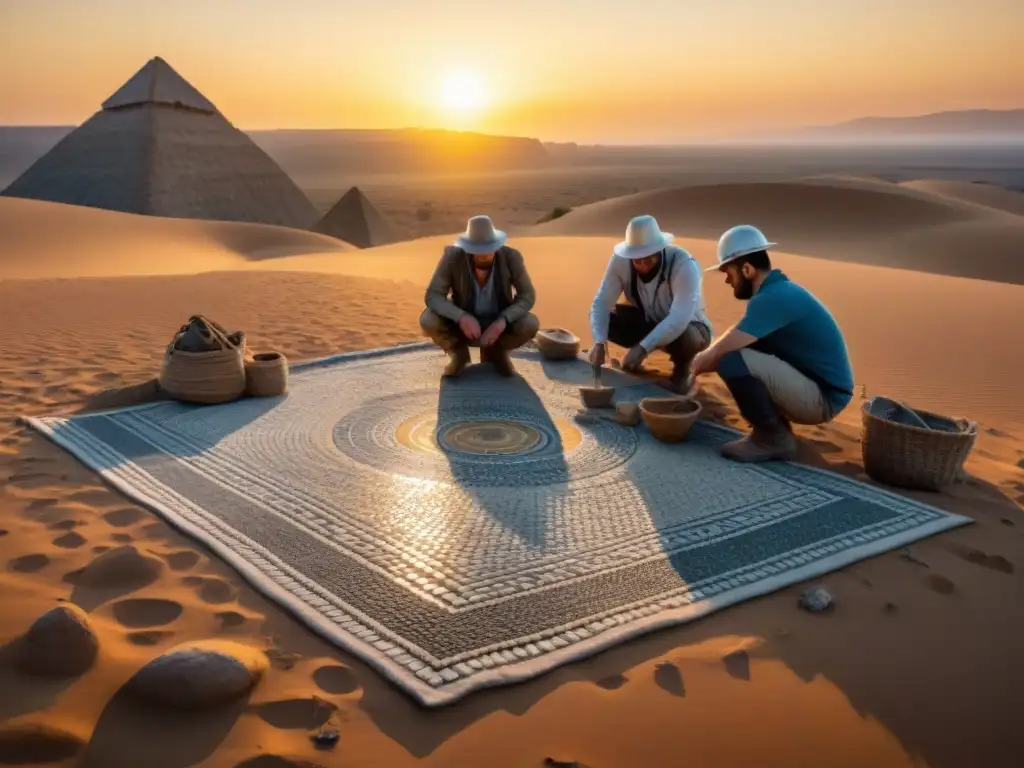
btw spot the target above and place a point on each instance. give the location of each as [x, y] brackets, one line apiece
[491, 437]
[478, 440]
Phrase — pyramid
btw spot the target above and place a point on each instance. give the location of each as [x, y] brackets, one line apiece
[159, 147]
[354, 220]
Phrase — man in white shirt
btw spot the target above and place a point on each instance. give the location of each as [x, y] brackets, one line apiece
[663, 285]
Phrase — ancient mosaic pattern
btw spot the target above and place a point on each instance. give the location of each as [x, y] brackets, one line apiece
[458, 534]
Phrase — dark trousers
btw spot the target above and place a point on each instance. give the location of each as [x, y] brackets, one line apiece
[446, 334]
[628, 326]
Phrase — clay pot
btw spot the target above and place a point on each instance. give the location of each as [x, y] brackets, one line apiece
[597, 397]
[670, 419]
[557, 343]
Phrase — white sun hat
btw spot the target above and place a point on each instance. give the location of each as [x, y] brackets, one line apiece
[643, 238]
[741, 240]
[481, 236]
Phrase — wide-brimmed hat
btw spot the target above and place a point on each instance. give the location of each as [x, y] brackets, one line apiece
[481, 236]
[643, 238]
[741, 240]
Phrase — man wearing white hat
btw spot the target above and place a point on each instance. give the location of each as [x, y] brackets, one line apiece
[662, 283]
[480, 295]
[785, 361]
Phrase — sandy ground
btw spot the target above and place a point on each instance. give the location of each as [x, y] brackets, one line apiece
[918, 665]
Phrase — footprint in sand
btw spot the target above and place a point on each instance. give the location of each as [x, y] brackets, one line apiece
[121, 538]
[336, 679]
[992, 562]
[29, 563]
[211, 590]
[63, 525]
[296, 714]
[276, 761]
[151, 637]
[612, 682]
[37, 505]
[70, 540]
[182, 561]
[941, 584]
[146, 612]
[93, 497]
[737, 665]
[229, 619]
[3, 531]
[668, 677]
[123, 517]
[34, 744]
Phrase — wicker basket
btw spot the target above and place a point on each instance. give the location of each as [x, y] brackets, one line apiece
[670, 419]
[266, 374]
[208, 377]
[557, 344]
[913, 449]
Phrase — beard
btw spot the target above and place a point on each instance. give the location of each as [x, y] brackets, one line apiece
[743, 289]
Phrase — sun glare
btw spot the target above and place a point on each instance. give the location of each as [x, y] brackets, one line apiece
[463, 91]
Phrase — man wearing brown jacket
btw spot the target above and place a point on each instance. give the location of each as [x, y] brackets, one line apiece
[479, 272]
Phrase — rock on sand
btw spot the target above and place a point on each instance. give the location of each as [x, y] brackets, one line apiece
[200, 675]
[60, 643]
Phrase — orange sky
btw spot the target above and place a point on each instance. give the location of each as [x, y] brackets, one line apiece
[640, 71]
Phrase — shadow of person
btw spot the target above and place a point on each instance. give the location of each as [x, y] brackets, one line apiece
[496, 433]
[212, 424]
[131, 733]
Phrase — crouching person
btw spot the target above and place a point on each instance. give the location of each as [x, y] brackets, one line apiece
[480, 295]
[785, 362]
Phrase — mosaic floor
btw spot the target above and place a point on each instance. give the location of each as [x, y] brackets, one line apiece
[469, 533]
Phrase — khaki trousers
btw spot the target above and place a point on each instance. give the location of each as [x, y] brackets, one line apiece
[446, 334]
[798, 397]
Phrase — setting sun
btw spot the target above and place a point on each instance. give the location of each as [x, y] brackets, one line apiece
[463, 91]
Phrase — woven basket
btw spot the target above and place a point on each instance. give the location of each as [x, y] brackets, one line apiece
[913, 449]
[670, 419]
[213, 376]
[266, 374]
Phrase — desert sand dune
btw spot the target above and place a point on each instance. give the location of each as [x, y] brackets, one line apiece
[860, 220]
[43, 239]
[982, 194]
[943, 613]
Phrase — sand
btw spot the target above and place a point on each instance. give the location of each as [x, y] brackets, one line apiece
[865, 221]
[918, 665]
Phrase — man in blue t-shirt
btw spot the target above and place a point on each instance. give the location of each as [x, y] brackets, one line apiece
[784, 362]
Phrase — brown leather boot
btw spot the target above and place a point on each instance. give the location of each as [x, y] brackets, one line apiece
[498, 357]
[458, 359]
[762, 445]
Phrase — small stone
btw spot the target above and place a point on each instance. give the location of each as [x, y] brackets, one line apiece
[60, 643]
[628, 414]
[1006, 521]
[200, 675]
[891, 607]
[550, 762]
[326, 738]
[816, 600]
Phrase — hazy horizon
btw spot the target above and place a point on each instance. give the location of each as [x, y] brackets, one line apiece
[652, 73]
